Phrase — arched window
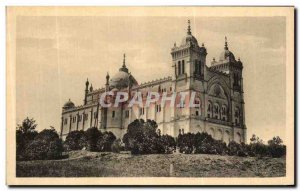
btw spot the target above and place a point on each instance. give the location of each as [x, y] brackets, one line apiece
[200, 70]
[209, 109]
[179, 67]
[237, 116]
[224, 113]
[216, 111]
[182, 68]
[196, 67]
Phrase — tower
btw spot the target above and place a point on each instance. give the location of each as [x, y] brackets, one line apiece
[189, 58]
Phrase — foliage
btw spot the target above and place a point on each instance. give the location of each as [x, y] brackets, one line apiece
[75, 140]
[186, 143]
[237, 149]
[200, 143]
[105, 142]
[92, 135]
[25, 134]
[168, 143]
[46, 145]
[117, 146]
[141, 138]
[276, 149]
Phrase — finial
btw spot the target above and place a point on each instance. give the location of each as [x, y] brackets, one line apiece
[87, 82]
[124, 57]
[239, 59]
[174, 44]
[214, 59]
[189, 28]
[202, 44]
[69, 99]
[91, 88]
[226, 45]
[107, 78]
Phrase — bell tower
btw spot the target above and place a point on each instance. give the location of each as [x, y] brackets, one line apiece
[188, 58]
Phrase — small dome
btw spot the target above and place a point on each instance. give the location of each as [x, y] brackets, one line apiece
[190, 40]
[227, 55]
[69, 104]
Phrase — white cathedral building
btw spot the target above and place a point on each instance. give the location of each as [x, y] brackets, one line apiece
[219, 91]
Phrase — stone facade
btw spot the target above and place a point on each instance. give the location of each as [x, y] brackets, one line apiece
[219, 90]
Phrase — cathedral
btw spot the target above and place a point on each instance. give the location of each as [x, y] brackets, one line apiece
[218, 87]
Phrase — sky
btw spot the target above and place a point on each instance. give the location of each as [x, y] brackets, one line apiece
[55, 56]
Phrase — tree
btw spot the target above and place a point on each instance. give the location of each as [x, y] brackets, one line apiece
[75, 140]
[141, 137]
[186, 143]
[92, 135]
[105, 142]
[25, 134]
[255, 139]
[46, 145]
[275, 147]
[276, 141]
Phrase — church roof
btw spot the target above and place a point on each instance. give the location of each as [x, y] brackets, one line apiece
[122, 78]
[69, 104]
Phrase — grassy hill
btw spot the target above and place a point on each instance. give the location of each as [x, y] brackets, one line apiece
[93, 164]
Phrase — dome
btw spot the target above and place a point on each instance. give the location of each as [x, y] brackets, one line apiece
[121, 80]
[227, 55]
[190, 40]
[69, 104]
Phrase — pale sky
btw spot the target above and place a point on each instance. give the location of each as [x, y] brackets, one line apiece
[55, 56]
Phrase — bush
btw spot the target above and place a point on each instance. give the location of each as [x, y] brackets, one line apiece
[168, 143]
[91, 136]
[46, 145]
[275, 147]
[200, 143]
[105, 142]
[117, 146]
[258, 149]
[237, 149]
[75, 140]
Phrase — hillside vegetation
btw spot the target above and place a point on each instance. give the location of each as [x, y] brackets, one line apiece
[95, 164]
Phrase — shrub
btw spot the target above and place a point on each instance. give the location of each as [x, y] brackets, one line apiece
[105, 142]
[117, 146]
[91, 136]
[275, 147]
[168, 143]
[75, 140]
[46, 145]
[237, 149]
[258, 149]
